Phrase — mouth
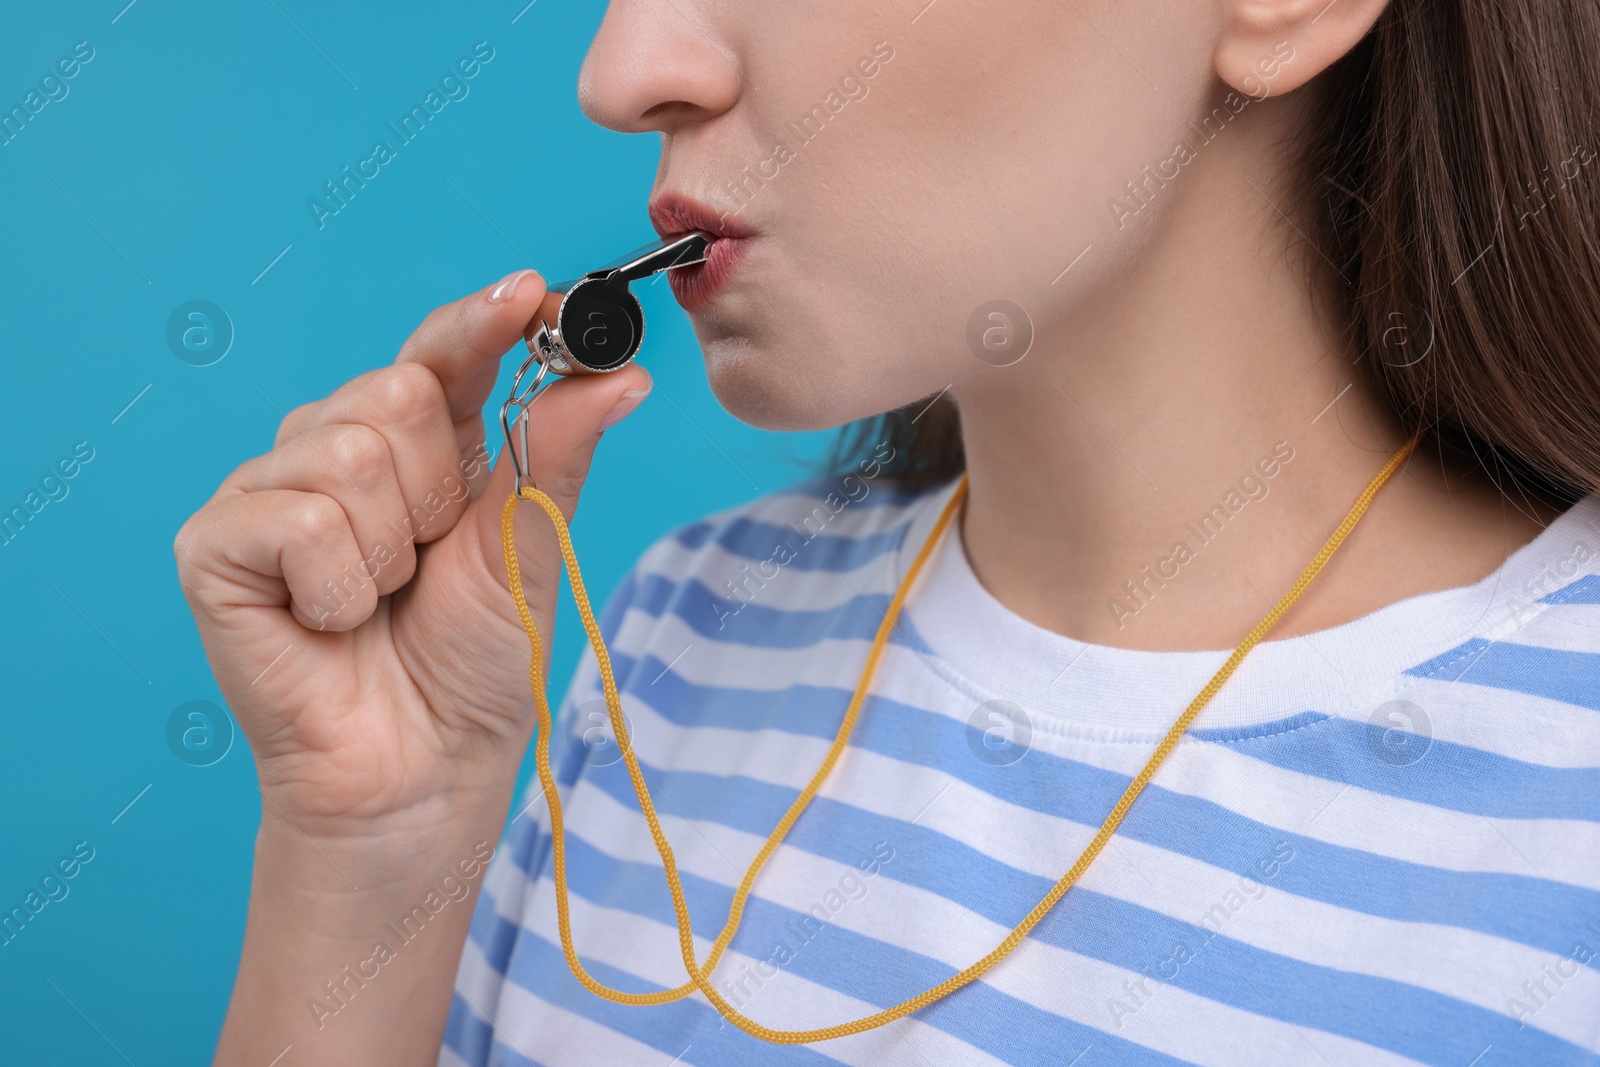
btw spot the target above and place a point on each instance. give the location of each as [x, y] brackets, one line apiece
[697, 286]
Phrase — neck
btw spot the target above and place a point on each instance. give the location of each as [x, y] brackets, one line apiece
[1157, 471]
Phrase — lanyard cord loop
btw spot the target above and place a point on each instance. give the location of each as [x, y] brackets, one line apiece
[700, 973]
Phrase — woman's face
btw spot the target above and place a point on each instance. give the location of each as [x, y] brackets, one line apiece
[899, 166]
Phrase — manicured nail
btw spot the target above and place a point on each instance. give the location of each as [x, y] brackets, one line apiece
[507, 286]
[625, 404]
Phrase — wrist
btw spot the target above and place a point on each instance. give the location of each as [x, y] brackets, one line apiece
[334, 861]
[351, 944]
[386, 822]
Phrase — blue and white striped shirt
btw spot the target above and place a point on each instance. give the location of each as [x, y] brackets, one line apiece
[1379, 844]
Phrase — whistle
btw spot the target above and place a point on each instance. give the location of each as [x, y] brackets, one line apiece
[600, 324]
[598, 329]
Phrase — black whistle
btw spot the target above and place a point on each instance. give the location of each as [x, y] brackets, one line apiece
[598, 329]
[600, 324]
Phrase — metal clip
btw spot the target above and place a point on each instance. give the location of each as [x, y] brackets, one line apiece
[522, 399]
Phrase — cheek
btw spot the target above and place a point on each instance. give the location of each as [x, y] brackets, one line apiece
[979, 165]
[820, 334]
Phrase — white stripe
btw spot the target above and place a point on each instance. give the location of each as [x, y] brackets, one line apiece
[1516, 725]
[1562, 627]
[1045, 977]
[477, 981]
[1300, 804]
[1351, 817]
[782, 1001]
[1478, 968]
[555, 1036]
[718, 661]
[772, 580]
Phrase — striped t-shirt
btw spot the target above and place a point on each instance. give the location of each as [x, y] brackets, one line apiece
[1379, 844]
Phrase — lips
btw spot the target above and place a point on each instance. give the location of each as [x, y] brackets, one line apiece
[697, 286]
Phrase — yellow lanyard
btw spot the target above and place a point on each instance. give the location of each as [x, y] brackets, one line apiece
[700, 973]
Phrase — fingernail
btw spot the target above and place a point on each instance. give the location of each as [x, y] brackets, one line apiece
[506, 288]
[625, 404]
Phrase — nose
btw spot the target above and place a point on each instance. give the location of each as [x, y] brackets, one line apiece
[658, 65]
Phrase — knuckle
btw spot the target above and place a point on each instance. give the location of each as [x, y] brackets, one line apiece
[564, 485]
[317, 518]
[294, 423]
[359, 451]
[405, 392]
[433, 323]
[185, 544]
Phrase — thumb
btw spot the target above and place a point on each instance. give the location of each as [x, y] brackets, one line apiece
[565, 422]
[461, 586]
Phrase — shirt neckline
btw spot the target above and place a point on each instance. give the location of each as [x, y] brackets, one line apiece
[1124, 694]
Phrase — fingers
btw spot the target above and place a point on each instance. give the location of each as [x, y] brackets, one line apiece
[435, 463]
[272, 547]
[462, 342]
[347, 468]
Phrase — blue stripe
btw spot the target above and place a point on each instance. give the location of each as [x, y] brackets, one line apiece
[469, 1036]
[1418, 1023]
[803, 710]
[1414, 1022]
[503, 1055]
[1011, 1030]
[1252, 731]
[1450, 776]
[1570, 677]
[856, 619]
[1524, 909]
[803, 547]
[1444, 774]
[756, 625]
[1585, 590]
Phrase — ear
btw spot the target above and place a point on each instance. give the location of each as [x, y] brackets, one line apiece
[1269, 47]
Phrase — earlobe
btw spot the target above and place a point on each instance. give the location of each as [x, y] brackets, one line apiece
[1269, 47]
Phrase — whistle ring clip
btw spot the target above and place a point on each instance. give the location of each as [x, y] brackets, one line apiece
[520, 400]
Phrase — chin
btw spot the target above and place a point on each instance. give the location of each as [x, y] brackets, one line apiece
[760, 387]
[794, 388]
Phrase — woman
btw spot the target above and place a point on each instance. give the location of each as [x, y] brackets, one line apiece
[1169, 284]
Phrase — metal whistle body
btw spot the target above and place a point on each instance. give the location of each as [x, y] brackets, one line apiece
[600, 324]
[598, 329]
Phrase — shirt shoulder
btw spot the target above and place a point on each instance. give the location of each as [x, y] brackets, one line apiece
[798, 550]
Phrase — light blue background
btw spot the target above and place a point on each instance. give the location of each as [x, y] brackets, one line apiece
[181, 161]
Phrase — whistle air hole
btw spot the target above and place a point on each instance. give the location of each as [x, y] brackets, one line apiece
[602, 325]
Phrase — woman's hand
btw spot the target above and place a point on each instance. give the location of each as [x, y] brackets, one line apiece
[351, 595]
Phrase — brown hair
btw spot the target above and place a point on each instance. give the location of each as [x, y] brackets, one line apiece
[1454, 185]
